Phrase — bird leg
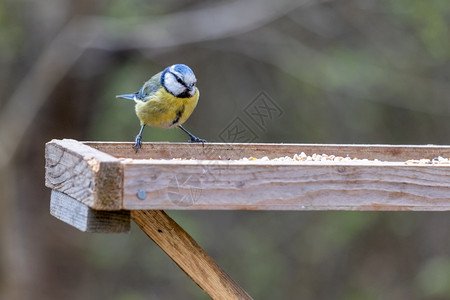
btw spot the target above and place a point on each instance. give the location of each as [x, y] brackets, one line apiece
[193, 139]
[138, 140]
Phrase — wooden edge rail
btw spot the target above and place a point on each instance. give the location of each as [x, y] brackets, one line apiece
[105, 182]
[187, 254]
[233, 151]
[194, 185]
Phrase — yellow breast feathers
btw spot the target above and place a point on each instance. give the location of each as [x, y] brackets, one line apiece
[164, 110]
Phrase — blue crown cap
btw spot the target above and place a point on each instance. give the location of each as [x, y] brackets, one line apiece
[182, 69]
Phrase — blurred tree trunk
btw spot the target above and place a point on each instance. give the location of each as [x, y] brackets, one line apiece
[32, 260]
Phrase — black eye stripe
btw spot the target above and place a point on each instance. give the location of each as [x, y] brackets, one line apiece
[179, 80]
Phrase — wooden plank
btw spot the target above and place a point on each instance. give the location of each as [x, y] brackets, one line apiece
[84, 218]
[76, 169]
[84, 173]
[188, 255]
[223, 151]
[272, 185]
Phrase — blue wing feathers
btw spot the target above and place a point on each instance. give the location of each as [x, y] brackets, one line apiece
[149, 88]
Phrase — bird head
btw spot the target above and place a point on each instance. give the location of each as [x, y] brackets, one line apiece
[179, 80]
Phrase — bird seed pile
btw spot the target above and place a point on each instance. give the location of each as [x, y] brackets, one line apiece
[303, 157]
[339, 159]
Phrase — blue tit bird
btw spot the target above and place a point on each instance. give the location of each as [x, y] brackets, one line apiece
[166, 100]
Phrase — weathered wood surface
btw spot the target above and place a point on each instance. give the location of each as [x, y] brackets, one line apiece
[285, 186]
[223, 151]
[188, 255]
[84, 218]
[84, 173]
[258, 185]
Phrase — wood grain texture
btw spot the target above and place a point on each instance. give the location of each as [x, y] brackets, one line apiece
[188, 255]
[84, 173]
[84, 218]
[273, 185]
[223, 151]
[207, 183]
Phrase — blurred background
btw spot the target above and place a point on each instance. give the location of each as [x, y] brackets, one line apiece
[340, 71]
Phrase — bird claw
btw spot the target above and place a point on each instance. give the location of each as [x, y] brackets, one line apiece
[195, 139]
[137, 143]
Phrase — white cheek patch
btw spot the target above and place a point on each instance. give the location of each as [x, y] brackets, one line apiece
[189, 79]
[172, 85]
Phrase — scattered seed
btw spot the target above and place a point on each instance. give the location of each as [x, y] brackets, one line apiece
[332, 158]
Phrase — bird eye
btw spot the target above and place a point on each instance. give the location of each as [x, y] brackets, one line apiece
[179, 80]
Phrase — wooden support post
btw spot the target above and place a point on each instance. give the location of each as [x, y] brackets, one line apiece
[187, 254]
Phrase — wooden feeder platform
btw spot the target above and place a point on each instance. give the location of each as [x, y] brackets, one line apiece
[100, 186]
